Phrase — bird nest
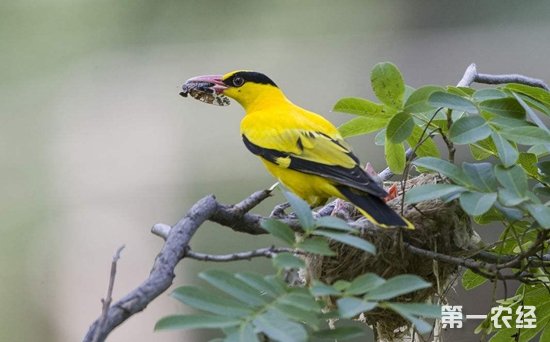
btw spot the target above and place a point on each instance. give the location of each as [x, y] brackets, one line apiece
[441, 227]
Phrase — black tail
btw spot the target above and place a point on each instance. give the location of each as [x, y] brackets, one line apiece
[374, 208]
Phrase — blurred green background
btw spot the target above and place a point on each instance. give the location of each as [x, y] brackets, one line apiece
[97, 146]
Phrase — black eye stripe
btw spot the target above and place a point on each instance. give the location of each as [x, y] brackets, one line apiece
[249, 76]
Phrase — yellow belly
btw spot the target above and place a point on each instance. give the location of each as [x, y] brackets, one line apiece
[313, 189]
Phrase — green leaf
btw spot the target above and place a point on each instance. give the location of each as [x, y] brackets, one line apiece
[530, 113]
[242, 333]
[461, 91]
[339, 333]
[210, 302]
[316, 245]
[380, 137]
[413, 310]
[508, 107]
[541, 190]
[428, 147]
[512, 178]
[511, 214]
[397, 286]
[363, 125]
[364, 283]
[288, 261]
[510, 198]
[431, 191]
[333, 222]
[226, 282]
[302, 210]
[259, 283]
[320, 289]
[533, 92]
[477, 203]
[347, 239]
[349, 307]
[528, 161]
[395, 156]
[534, 104]
[541, 213]
[341, 285]
[400, 127]
[451, 101]
[540, 150]
[471, 280]
[488, 94]
[418, 101]
[527, 135]
[276, 326]
[419, 309]
[195, 322]
[387, 84]
[544, 167]
[483, 149]
[507, 153]
[481, 176]
[492, 215]
[278, 229]
[443, 167]
[506, 122]
[302, 299]
[298, 314]
[408, 92]
[469, 129]
[359, 106]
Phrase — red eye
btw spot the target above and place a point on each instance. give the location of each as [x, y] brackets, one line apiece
[238, 81]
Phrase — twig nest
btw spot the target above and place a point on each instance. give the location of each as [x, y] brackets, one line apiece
[441, 227]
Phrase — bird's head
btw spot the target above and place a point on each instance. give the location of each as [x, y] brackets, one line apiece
[245, 87]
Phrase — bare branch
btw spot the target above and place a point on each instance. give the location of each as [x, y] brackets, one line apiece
[261, 252]
[107, 301]
[469, 76]
[512, 78]
[472, 76]
[161, 275]
[162, 230]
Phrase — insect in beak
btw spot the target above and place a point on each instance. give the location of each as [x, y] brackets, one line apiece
[208, 89]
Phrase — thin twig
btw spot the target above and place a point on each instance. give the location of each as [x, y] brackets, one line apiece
[267, 252]
[161, 275]
[107, 301]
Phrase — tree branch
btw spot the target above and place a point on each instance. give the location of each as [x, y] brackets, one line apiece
[108, 298]
[267, 252]
[161, 275]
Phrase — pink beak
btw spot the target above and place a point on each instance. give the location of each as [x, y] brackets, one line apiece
[216, 80]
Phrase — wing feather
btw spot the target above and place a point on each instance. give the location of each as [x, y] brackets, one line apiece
[316, 153]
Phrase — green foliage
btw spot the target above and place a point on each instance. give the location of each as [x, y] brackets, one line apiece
[252, 304]
[504, 129]
[526, 295]
[400, 117]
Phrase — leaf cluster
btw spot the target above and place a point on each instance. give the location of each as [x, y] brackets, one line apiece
[503, 128]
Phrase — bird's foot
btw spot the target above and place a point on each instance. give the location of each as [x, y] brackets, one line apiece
[279, 210]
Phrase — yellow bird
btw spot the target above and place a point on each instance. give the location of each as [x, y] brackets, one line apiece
[303, 150]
